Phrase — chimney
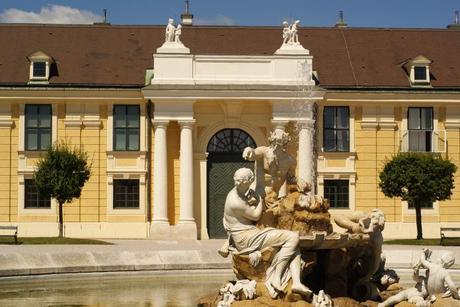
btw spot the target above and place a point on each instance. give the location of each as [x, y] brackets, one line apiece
[456, 24]
[341, 22]
[186, 17]
[104, 22]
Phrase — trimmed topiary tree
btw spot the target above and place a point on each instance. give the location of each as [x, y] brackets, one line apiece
[61, 174]
[418, 178]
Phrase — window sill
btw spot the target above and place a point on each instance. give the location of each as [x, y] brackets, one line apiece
[125, 152]
[31, 154]
[337, 153]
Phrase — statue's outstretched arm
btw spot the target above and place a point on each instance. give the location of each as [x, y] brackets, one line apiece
[252, 154]
[427, 264]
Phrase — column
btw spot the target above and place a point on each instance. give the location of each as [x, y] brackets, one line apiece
[305, 155]
[186, 227]
[160, 223]
[280, 124]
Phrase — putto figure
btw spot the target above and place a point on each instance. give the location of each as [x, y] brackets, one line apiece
[172, 34]
[243, 208]
[439, 280]
[170, 31]
[290, 35]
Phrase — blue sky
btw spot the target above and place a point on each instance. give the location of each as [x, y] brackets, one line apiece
[358, 13]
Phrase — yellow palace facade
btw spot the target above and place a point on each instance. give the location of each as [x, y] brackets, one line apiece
[164, 125]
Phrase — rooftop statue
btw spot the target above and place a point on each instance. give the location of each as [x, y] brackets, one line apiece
[290, 35]
[170, 31]
[173, 43]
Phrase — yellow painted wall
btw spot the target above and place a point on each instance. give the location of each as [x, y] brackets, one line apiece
[8, 168]
[173, 146]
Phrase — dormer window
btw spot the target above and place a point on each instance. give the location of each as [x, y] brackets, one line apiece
[40, 64]
[419, 70]
[39, 70]
[420, 73]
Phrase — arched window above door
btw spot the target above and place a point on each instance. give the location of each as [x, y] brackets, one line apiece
[230, 141]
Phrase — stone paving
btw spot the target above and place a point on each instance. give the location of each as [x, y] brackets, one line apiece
[149, 255]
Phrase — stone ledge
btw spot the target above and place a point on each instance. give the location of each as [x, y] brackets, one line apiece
[18, 264]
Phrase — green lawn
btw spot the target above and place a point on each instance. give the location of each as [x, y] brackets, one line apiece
[452, 242]
[52, 240]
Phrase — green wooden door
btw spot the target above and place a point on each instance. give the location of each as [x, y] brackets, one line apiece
[220, 182]
[225, 150]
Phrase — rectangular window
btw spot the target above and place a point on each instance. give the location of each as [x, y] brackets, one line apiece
[420, 73]
[32, 199]
[420, 126]
[125, 193]
[37, 126]
[337, 192]
[126, 127]
[336, 134]
[423, 205]
[39, 69]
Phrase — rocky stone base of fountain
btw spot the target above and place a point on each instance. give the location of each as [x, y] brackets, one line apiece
[266, 301]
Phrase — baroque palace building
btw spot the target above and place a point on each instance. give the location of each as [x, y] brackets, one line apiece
[165, 124]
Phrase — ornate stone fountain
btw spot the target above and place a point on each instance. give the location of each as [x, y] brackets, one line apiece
[284, 251]
[283, 247]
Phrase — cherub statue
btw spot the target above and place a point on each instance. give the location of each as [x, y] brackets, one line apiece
[294, 35]
[415, 295]
[286, 32]
[177, 34]
[439, 279]
[170, 31]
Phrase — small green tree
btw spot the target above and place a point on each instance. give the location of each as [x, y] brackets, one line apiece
[418, 178]
[61, 174]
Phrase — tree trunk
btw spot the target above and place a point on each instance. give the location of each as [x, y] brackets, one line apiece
[61, 222]
[418, 220]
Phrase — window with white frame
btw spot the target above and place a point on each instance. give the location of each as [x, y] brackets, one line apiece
[126, 193]
[32, 198]
[337, 192]
[40, 64]
[37, 126]
[423, 205]
[126, 127]
[336, 128]
[419, 70]
[420, 128]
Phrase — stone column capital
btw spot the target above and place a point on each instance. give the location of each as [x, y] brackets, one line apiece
[160, 122]
[186, 123]
[306, 123]
[279, 123]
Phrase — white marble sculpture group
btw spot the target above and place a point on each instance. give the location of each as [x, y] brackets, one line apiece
[172, 34]
[245, 205]
[268, 189]
[290, 35]
[434, 280]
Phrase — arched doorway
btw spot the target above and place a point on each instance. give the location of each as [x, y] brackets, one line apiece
[225, 150]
